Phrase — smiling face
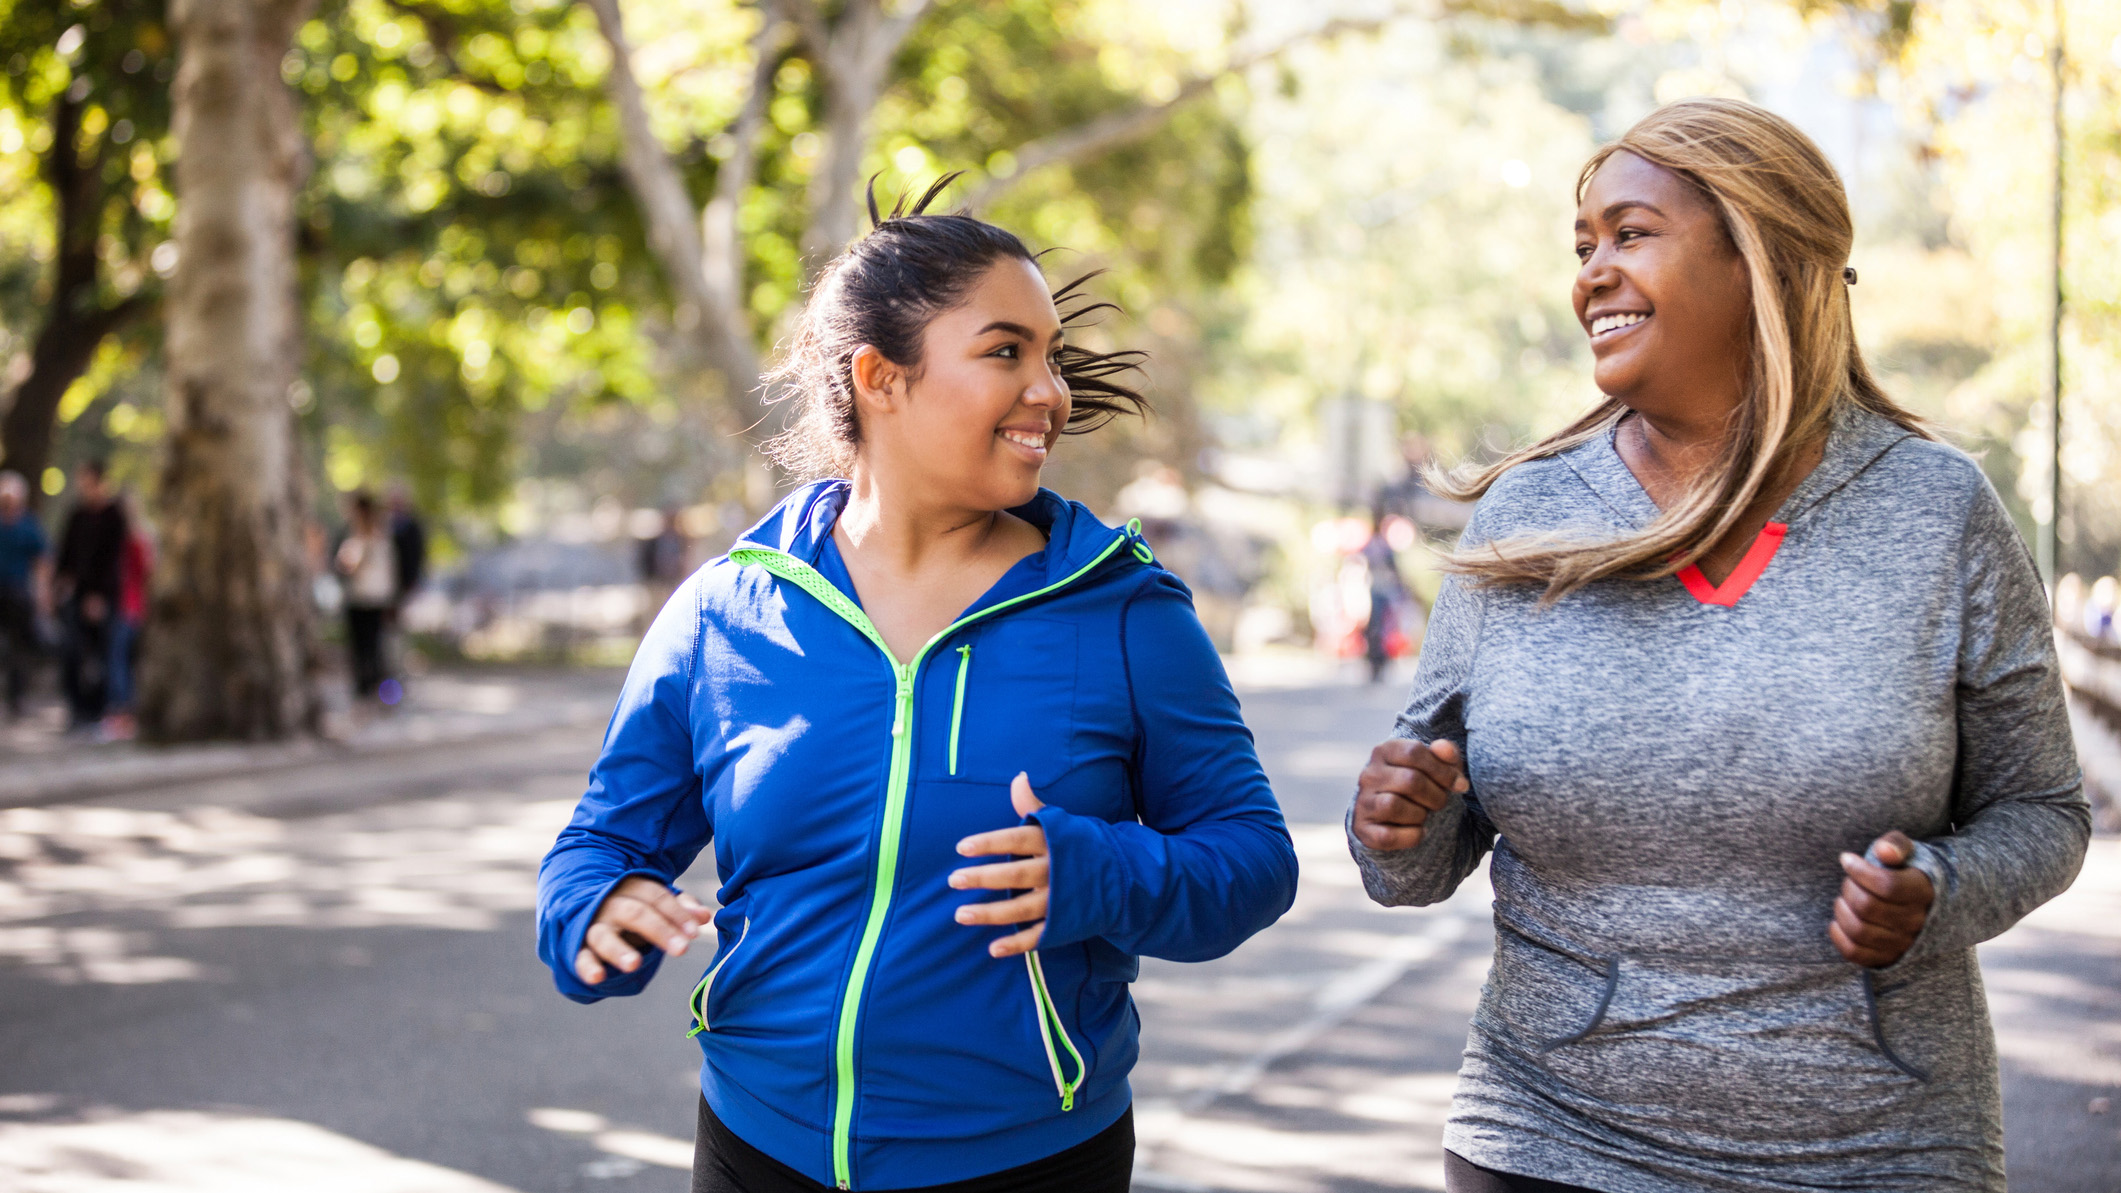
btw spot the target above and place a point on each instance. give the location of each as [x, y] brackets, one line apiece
[973, 424]
[1662, 293]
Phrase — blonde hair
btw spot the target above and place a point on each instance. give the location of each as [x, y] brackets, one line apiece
[1784, 209]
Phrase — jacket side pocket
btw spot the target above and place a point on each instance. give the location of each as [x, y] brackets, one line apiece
[706, 986]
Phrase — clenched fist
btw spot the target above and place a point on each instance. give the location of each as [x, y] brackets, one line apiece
[1883, 903]
[1404, 782]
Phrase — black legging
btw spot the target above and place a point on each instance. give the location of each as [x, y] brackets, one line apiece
[1103, 1163]
[1461, 1175]
[364, 641]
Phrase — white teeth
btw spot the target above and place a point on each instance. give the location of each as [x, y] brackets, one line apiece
[1034, 442]
[1606, 323]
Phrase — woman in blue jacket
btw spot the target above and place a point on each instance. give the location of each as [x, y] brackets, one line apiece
[963, 751]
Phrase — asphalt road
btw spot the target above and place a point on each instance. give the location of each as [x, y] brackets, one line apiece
[320, 978]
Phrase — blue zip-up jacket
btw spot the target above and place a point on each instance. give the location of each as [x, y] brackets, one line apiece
[852, 1029]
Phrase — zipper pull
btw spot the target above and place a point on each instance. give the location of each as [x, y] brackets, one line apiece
[905, 703]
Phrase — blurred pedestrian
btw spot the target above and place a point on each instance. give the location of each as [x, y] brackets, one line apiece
[661, 561]
[87, 576]
[367, 566]
[408, 543]
[1388, 592]
[135, 563]
[1747, 681]
[931, 661]
[25, 587]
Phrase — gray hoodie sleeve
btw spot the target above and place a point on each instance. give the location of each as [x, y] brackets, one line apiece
[2020, 822]
[1455, 837]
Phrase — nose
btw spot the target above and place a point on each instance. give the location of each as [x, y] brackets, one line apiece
[1048, 388]
[1596, 276]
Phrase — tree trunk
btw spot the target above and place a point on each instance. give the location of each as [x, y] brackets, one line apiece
[230, 649]
[74, 322]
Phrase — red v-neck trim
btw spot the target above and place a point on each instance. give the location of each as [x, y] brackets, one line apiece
[1741, 579]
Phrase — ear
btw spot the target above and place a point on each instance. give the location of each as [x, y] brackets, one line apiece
[879, 384]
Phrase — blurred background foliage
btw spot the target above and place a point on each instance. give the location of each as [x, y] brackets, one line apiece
[1340, 227]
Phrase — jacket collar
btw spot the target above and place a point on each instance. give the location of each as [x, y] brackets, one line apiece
[801, 526]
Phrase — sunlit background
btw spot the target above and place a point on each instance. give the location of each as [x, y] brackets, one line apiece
[1341, 230]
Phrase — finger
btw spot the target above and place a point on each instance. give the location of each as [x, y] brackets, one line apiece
[1404, 782]
[1855, 953]
[1384, 838]
[651, 925]
[605, 941]
[1021, 910]
[1901, 920]
[1396, 808]
[1020, 796]
[1440, 760]
[1003, 876]
[1018, 942]
[1864, 932]
[1026, 839]
[700, 912]
[671, 906]
[1893, 849]
[588, 969]
[1908, 887]
[1442, 764]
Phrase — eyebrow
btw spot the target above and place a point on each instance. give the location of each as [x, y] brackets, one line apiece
[1020, 331]
[1614, 210]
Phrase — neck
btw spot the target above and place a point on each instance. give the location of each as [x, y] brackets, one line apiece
[891, 529]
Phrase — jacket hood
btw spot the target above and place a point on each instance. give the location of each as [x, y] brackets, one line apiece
[802, 523]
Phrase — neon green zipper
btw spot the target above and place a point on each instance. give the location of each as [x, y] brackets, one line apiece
[699, 992]
[810, 580]
[1050, 1027]
[957, 703]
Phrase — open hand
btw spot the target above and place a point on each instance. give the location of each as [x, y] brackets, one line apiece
[1404, 782]
[1029, 872]
[1883, 903]
[638, 915]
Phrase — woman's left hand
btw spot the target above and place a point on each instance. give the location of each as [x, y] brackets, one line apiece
[1029, 872]
[1882, 907]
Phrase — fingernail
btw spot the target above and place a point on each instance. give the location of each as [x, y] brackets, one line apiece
[964, 915]
[1849, 859]
[676, 947]
[1461, 787]
[628, 961]
[955, 883]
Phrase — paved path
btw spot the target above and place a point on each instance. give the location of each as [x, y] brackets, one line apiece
[318, 977]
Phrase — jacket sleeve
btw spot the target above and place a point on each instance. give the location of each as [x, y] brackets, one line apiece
[642, 813]
[2020, 821]
[1456, 836]
[1210, 863]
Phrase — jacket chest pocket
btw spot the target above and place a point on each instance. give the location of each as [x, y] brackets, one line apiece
[1002, 701]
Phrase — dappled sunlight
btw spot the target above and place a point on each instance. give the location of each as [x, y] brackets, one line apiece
[458, 863]
[625, 1143]
[192, 1151]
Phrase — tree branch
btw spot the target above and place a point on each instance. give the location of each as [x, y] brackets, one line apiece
[1112, 129]
[720, 330]
[723, 259]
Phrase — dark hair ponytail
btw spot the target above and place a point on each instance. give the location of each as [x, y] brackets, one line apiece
[884, 291]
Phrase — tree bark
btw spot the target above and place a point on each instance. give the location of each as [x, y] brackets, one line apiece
[75, 320]
[230, 649]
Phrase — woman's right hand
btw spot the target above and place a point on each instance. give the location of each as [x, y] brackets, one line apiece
[1404, 782]
[639, 914]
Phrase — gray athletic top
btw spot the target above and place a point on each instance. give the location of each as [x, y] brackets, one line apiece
[1666, 784]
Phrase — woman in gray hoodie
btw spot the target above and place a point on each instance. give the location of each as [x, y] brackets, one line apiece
[1747, 682]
